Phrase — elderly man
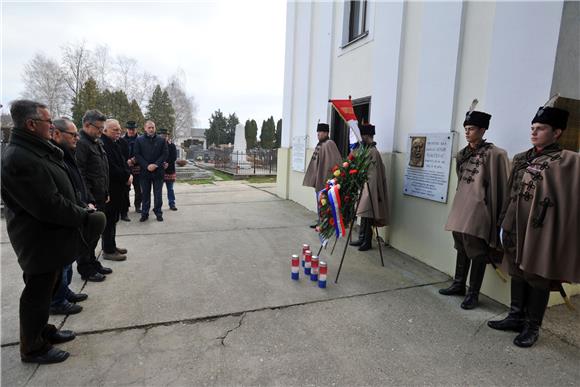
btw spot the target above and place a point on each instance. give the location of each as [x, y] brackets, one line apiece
[541, 223]
[325, 156]
[46, 226]
[119, 179]
[151, 152]
[92, 162]
[66, 137]
[482, 170]
[374, 202]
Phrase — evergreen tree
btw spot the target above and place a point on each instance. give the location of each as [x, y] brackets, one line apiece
[160, 110]
[89, 97]
[135, 114]
[230, 130]
[278, 134]
[251, 133]
[216, 134]
[267, 134]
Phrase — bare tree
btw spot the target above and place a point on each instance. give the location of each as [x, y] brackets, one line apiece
[102, 67]
[44, 81]
[125, 69]
[76, 63]
[183, 104]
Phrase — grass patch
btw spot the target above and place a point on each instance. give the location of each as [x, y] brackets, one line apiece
[261, 179]
[219, 175]
[198, 181]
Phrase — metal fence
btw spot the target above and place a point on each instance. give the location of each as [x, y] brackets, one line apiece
[252, 162]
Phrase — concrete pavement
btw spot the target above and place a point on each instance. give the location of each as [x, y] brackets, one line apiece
[205, 298]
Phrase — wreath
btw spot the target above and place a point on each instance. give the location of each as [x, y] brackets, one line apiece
[337, 201]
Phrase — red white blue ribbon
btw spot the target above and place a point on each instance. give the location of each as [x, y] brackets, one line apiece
[334, 201]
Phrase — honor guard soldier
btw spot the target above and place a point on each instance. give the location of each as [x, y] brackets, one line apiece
[482, 169]
[540, 223]
[325, 156]
[373, 205]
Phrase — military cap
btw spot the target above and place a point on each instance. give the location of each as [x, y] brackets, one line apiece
[131, 125]
[322, 127]
[477, 118]
[555, 117]
[367, 129]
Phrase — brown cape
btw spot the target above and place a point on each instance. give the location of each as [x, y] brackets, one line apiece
[325, 156]
[377, 182]
[547, 217]
[482, 176]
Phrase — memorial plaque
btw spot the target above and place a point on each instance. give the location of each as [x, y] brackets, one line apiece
[428, 165]
[298, 153]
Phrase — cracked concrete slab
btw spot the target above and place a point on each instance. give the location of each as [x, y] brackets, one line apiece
[400, 337]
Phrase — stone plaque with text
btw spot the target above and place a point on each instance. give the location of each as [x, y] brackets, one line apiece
[298, 153]
[428, 164]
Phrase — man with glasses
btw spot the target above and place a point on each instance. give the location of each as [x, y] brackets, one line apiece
[66, 136]
[92, 162]
[46, 226]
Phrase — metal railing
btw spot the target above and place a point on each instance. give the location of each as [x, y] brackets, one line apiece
[252, 162]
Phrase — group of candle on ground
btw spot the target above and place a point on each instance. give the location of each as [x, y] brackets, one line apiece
[317, 270]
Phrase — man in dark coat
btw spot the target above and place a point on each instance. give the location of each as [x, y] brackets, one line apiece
[151, 152]
[124, 145]
[325, 156]
[169, 167]
[45, 225]
[482, 170]
[92, 162]
[119, 179]
[130, 137]
[373, 206]
[541, 223]
[66, 136]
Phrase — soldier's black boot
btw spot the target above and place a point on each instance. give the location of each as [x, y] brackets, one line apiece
[461, 268]
[516, 316]
[367, 242]
[535, 309]
[475, 281]
[361, 233]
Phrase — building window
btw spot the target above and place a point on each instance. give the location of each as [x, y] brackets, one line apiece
[339, 131]
[355, 15]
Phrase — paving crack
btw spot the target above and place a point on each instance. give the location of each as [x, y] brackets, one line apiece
[32, 375]
[225, 335]
[215, 317]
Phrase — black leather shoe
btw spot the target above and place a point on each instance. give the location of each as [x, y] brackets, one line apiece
[125, 218]
[510, 323]
[53, 355]
[96, 277]
[173, 208]
[365, 247]
[159, 217]
[104, 270]
[65, 308]
[356, 243]
[62, 337]
[138, 210]
[456, 289]
[471, 301]
[76, 297]
[144, 218]
[529, 335]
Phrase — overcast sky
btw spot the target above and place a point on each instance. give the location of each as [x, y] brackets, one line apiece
[232, 52]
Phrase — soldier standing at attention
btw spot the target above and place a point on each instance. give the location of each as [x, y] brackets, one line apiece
[482, 170]
[373, 207]
[541, 223]
[325, 156]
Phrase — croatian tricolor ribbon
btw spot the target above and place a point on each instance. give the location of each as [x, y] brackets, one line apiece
[334, 201]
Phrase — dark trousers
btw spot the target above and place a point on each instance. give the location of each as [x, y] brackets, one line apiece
[110, 231]
[63, 290]
[157, 184]
[137, 188]
[34, 306]
[87, 260]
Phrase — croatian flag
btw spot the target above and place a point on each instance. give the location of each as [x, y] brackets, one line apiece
[346, 111]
